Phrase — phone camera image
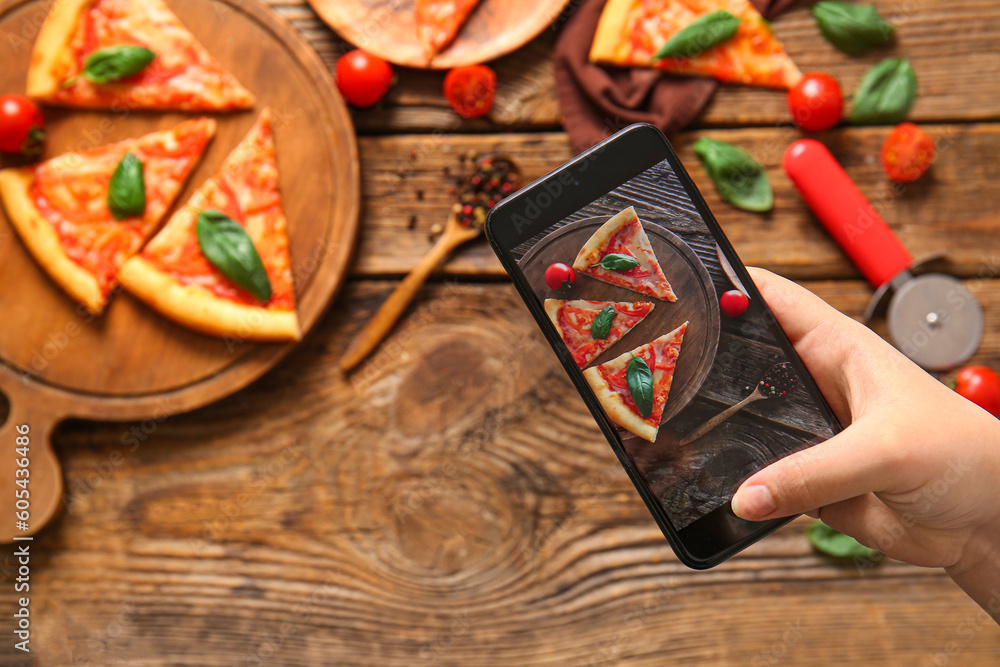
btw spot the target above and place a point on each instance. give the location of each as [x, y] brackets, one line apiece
[693, 372]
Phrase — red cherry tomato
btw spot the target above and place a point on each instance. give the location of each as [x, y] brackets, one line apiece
[733, 303]
[907, 153]
[363, 79]
[470, 90]
[981, 385]
[816, 102]
[20, 126]
[558, 276]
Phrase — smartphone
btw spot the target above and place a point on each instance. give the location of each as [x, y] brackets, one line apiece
[638, 319]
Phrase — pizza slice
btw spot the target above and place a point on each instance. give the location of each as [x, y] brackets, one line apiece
[127, 54]
[609, 382]
[82, 215]
[221, 264]
[438, 22]
[590, 327]
[630, 33]
[619, 253]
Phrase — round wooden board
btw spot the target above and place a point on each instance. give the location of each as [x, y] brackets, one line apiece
[131, 363]
[696, 301]
[389, 29]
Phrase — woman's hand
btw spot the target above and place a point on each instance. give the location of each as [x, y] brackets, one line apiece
[916, 473]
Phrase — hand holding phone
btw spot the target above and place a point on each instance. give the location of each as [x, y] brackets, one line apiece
[914, 475]
[623, 266]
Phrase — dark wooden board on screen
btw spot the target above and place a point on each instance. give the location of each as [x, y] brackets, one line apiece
[696, 302]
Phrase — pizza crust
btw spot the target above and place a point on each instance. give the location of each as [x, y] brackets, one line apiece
[613, 404]
[590, 253]
[615, 407]
[199, 309]
[610, 29]
[552, 310]
[51, 51]
[43, 241]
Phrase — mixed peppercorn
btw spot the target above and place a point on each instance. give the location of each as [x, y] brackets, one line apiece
[492, 179]
[778, 381]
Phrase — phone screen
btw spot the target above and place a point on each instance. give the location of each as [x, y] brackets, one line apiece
[700, 395]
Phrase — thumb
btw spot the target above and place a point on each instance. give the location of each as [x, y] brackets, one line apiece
[854, 462]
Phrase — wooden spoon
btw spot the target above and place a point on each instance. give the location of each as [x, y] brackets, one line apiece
[776, 383]
[492, 179]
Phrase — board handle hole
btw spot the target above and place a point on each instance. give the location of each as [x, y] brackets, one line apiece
[4, 409]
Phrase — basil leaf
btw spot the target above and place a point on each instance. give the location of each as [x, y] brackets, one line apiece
[601, 326]
[851, 28]
[227, 246]
[886, 93]
[617, 262]
[834, 543]
[701, 35]
[740, 179]
[116, 62]
[640, 384]
[127, 189]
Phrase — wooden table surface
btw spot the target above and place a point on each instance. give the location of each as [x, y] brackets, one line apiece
[430, 509]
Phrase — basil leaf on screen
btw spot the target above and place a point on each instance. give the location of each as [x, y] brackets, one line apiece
[601, 326]
[617, 262]
[640, 384]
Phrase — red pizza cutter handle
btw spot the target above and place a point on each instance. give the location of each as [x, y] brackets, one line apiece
[845, 212]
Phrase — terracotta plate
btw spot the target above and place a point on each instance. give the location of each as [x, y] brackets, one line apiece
[388, 29]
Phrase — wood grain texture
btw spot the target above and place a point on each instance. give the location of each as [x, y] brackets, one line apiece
[954, 209]
[951, 44]
[430, 511]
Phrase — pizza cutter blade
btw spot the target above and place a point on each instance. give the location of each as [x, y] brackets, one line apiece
[932, 317]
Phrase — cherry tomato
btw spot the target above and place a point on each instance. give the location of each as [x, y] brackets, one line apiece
[470, 90]
[907, 153]
[816, 102]
[20, 126]
[733, 303]
[363, 79]
[558, 276]
[981, 385]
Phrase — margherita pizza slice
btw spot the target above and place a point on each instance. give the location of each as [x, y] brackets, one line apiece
[610, 383]
[438, 21]
[630, 33]
[127, 54]
[619, 253]
[221, 264]
[75, 226]
[590, 327]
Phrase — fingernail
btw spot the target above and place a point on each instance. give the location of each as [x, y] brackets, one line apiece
[754, 502]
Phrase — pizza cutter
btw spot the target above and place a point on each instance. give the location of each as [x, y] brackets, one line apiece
[932, 317]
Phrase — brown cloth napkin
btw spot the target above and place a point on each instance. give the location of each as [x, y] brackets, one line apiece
[597, 101]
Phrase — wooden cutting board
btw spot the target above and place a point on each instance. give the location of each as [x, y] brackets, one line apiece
[388, 28]
[56, 361]
[696, 301]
